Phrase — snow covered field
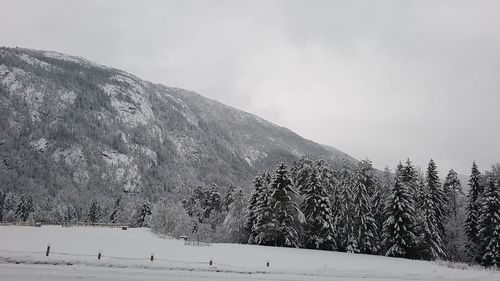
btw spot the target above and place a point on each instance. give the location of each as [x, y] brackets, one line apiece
[126, 253]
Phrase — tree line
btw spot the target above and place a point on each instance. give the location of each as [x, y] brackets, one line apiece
[132, 210]
[406, 213]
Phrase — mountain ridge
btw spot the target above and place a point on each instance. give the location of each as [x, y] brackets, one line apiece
[72, 124]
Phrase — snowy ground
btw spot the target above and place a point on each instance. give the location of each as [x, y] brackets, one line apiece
[15, 272]
[126, 256]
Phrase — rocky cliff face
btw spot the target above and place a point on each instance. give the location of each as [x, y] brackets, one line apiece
[69, 124]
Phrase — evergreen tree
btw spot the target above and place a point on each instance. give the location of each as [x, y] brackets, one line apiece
[143, 212]
[300, 172]
[410, 178]
[25, 207]
[343, 210]
[489, 225]
[319, 224]
[229, 197]
[399, 226]
[21, 209]
[452, 190]
[326, 177]
[252, 213]
[284, 208]
[30, 205]
[10, 207]
[196, 205]
[365, 175]
[263, 231]
[378, 201]
[235, 218]
[433, 208]
[206, 205]
[117, 208]
[420, 193]
[94, 213]
[213, 201]
[378, 205]
[364, 225]
[473, 211]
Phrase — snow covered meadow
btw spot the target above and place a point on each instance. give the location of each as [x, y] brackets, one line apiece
[74, 252]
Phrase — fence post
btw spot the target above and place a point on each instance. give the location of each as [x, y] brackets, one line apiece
[99, 255]
[152, 256]
[210, 262]
[48, 250]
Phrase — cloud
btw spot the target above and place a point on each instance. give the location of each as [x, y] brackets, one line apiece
[380, 79]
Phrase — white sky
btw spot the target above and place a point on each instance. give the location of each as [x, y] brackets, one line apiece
[385, 80]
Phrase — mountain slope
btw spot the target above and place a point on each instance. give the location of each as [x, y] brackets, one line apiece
[69, 124]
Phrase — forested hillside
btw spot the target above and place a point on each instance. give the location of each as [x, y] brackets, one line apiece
[75, 130]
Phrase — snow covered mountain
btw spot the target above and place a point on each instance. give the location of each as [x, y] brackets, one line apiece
[70, 124]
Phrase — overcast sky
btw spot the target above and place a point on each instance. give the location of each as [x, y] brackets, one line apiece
[385, 80]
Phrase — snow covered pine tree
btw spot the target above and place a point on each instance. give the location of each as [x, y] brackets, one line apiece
[234, 221]
[317, 210]
[144, 211]
[252, 212]
[399, 227]
[94, 213]
[473, 212]
[364, 226]
[452, 189]
[343, 211]
[433, 215]
[264, 231]
[489, 224]
[284, 208]
[25, 207]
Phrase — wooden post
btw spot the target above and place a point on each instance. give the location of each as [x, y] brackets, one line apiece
[99, 255]
[152, 256]
[48, 250]
[210, 262]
